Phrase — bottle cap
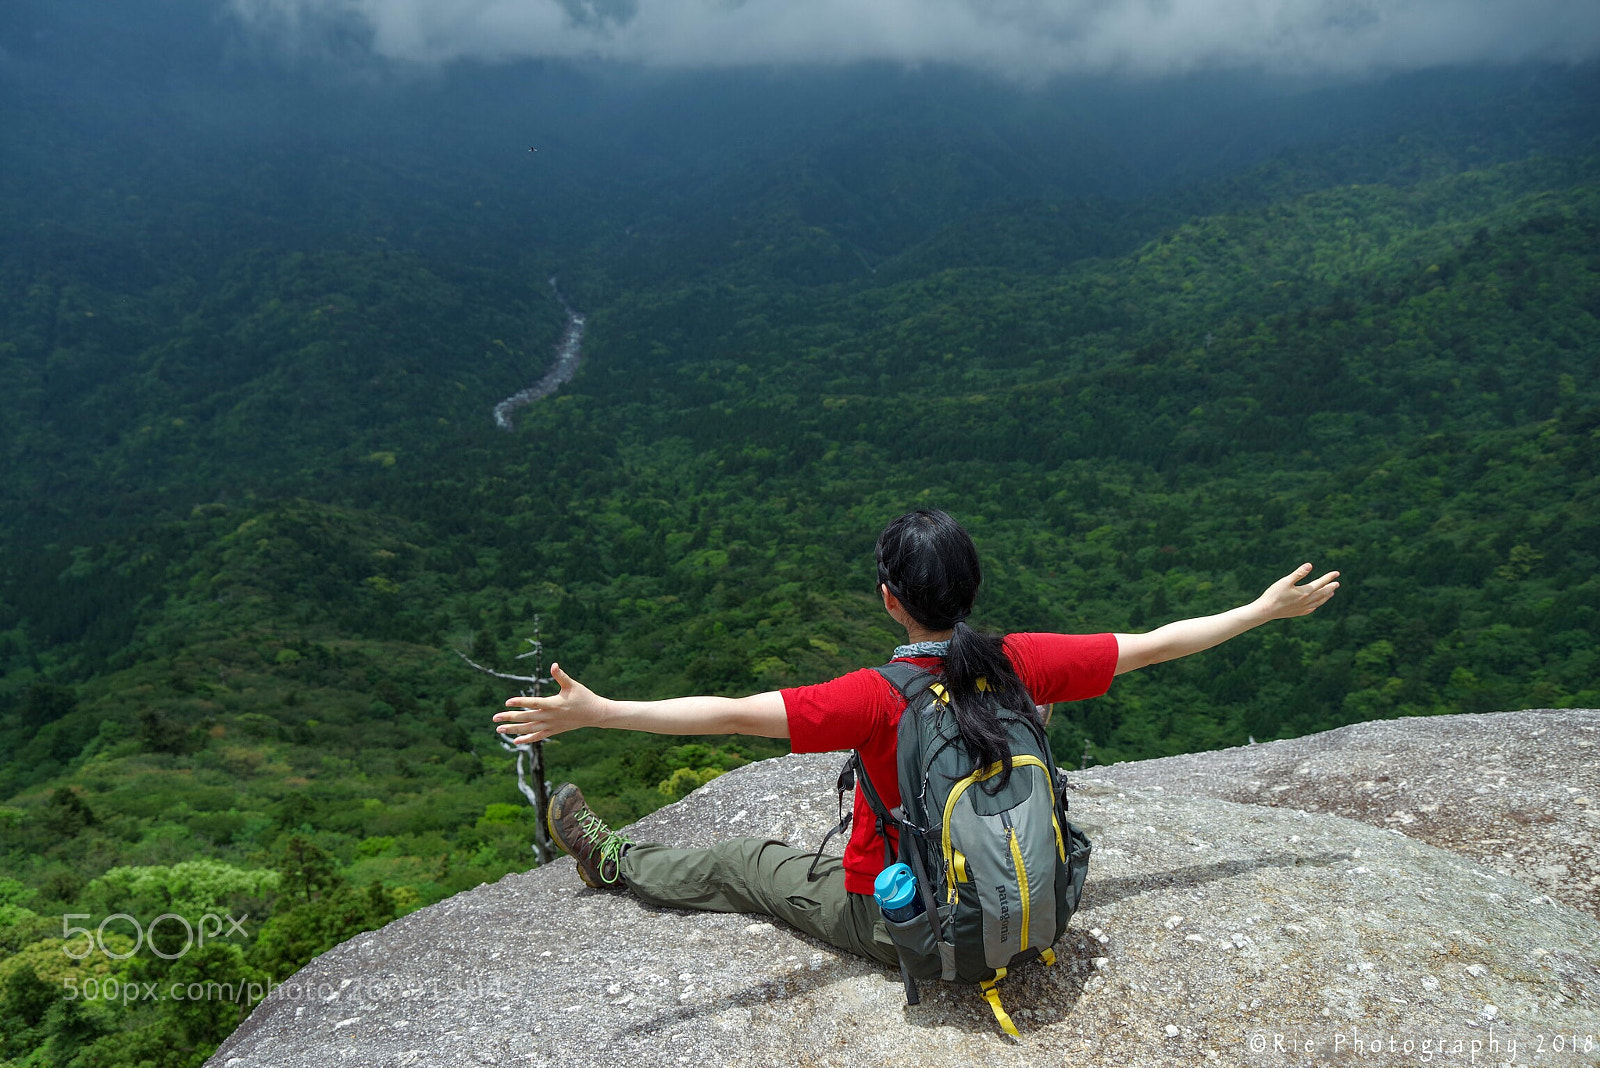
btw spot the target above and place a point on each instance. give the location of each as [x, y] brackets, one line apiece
[895, 887]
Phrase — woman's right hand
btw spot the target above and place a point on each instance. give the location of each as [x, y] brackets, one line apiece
[533, 719]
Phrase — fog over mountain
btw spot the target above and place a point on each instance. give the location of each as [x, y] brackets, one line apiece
[1026, 39]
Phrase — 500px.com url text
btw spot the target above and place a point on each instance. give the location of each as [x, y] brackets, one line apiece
[130, 991]
[376, 988]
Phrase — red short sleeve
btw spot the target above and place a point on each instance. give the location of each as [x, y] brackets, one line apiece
[1063, 667]
[845, 713]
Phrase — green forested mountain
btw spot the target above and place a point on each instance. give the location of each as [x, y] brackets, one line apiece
[253, 503]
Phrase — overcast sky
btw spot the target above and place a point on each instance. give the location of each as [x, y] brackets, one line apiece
[1028, 38]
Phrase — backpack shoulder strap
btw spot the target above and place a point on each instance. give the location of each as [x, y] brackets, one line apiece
[846, 784]
[911, 681]
[854, 773]
[904, 677]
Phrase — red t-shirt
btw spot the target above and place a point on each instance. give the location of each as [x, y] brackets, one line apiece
[861, 710]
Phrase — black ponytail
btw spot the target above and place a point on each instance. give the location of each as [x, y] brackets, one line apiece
[930, 564]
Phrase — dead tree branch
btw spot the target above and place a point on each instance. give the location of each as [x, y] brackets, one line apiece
[531, 780]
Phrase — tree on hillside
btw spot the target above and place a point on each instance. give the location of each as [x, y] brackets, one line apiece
[530, 758]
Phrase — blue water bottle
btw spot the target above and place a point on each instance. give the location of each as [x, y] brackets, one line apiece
[896, 891]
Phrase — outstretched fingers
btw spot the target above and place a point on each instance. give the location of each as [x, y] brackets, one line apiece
[534, 719]
[521, 722]
[1291, 596]
[1318, 592]
[527, 726]
[1325, 580]
[524, 719]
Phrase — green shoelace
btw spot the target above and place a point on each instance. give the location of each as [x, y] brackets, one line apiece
[608, 843]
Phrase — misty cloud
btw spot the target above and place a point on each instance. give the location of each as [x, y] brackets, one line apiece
[1026, 38]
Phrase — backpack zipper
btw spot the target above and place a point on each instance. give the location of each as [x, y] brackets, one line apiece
[1022, 873]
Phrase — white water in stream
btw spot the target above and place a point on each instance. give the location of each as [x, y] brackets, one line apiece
[569, 351]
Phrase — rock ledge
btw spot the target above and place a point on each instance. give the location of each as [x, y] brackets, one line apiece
[1212, 932]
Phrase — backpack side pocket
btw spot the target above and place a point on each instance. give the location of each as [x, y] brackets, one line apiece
[1069, 879]
[922, 954]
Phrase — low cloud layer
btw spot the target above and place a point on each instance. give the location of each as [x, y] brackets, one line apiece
[1025, 38]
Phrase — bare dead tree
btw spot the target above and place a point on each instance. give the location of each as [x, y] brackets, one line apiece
[530, 757]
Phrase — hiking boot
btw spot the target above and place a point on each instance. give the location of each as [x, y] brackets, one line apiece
[578, 831]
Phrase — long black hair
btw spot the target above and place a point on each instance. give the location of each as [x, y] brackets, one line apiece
[930, 564]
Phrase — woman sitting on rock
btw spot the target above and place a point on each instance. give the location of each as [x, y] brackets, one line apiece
[928, 576]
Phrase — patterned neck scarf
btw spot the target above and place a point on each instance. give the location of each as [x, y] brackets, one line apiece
[919, 649]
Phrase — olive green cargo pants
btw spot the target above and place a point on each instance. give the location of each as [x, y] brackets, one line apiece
[765, 876]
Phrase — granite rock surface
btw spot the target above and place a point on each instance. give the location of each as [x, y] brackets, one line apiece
[1211, 932]
[1517, 791]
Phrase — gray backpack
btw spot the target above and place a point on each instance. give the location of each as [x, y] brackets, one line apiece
[999, 874]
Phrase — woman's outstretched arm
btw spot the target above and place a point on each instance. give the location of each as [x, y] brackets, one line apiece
[533, 719]
[1280, 601]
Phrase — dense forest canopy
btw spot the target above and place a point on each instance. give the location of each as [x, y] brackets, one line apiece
[1155, 343]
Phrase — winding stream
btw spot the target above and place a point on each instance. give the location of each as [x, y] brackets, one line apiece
[569, 352]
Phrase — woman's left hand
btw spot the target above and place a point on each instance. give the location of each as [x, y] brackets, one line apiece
[1284, 599]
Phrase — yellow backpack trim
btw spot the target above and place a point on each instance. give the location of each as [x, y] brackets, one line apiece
[992, 996]
[979, 776]
[1022, 883]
